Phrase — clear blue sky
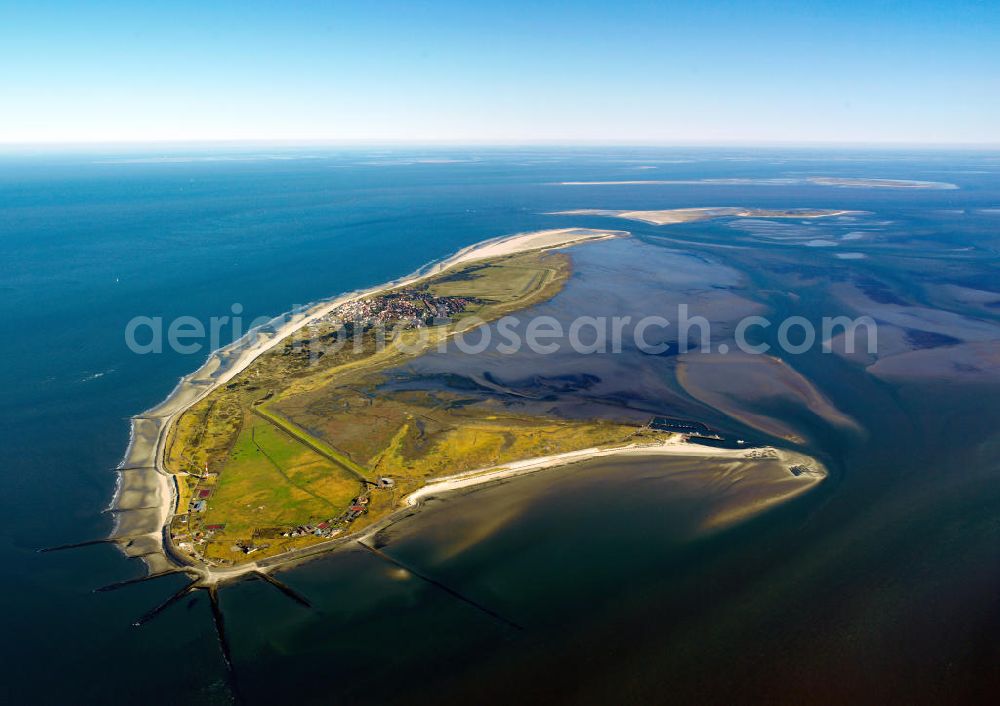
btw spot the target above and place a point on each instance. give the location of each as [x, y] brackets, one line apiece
[656, 72]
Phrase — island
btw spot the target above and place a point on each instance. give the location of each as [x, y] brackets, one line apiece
[307, 433]
[693, 215]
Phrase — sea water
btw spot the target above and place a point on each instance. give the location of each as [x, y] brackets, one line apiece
[869, 585]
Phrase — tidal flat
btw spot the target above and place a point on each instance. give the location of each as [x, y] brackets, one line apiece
[613, 559]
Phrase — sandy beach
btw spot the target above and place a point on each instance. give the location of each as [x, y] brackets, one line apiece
[809, 471]
[524, 242]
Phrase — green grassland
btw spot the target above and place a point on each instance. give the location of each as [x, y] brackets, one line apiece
[271, 480]
[303, 433]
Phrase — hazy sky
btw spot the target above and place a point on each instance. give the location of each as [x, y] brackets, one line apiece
[482, 71]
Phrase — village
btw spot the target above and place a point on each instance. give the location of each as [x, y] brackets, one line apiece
[406, 309]
[409, 306]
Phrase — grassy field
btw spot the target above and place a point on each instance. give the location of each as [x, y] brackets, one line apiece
[272, 480]
[317, 445]
[302, 436]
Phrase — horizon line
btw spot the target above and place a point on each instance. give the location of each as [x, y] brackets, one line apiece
[487, 143]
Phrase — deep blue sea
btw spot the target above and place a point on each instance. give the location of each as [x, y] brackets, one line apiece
[91, 239]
